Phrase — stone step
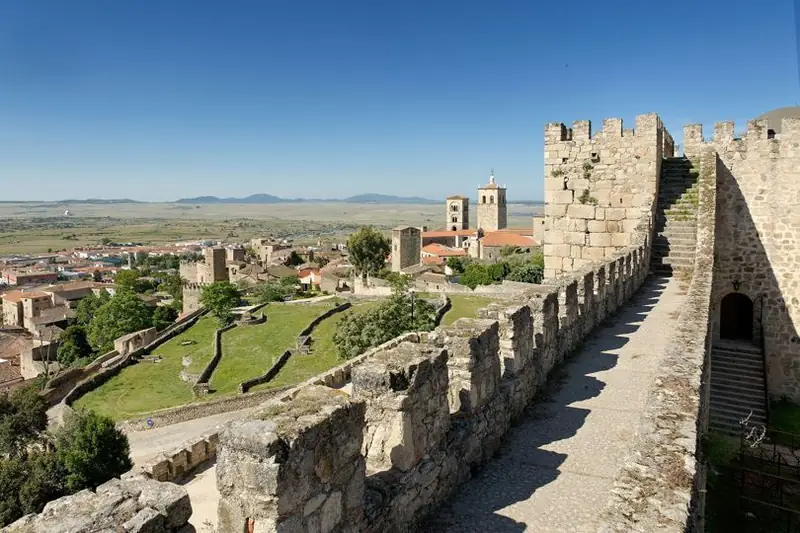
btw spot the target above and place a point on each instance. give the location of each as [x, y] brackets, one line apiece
[678, 241]
[737, 383]
[741, 410]
[750, 355]
[737, 348]
[745, 392]
[730, 373]
[677, 233]
[684, 245]
[720, 361]
[677, 261]
[728, 424]
[677, 251]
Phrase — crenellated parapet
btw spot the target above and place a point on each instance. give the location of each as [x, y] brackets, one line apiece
[757, 139]
[423, 413]
[600, 189]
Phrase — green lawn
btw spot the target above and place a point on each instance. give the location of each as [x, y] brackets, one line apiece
[464, 306]
[323, 355]
[147, 386]
[248, 351]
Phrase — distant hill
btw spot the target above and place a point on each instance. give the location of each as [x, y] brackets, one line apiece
[370, 198]
[100, 201]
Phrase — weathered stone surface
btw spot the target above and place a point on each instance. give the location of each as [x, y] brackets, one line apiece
[135, 505]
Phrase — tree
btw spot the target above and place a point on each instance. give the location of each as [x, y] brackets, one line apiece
[457, 264]
[474, 275]
[89, 305]
[321, 260]
[97, 276]
[74, 345]
[122, 314]
[92, 450]
[272, 292]
[12, 475]
[402, 312]
[498, 271]
[368, 251]
[526, 273]
[221, 298]
[508, 250]
[23, 418]
[128, 279]
[164, 316]
[172, 284]
[44, 482]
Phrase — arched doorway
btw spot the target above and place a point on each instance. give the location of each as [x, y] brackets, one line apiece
[736, 317]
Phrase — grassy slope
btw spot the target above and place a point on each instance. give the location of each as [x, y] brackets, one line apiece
[250, 350]
[323, 354]
[464, 306]
[146, 386]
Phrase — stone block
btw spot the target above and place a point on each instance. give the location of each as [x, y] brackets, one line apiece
[554, 184]
[576, 224]
[633, 213]
[561, 250]
[555, 210]
[613, 226]
[575, 237]
[615, 213]
[593, 254]
[596, 226]
[600, 213]
[620, 239]
[554, 237]
[559, 197]
[581, 211]
[600, 239]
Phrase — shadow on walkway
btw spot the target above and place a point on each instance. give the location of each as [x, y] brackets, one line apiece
[521, 466]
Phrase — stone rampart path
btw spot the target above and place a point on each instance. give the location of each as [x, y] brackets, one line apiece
[556, 469]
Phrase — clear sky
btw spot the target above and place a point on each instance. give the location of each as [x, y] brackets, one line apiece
[160, 99]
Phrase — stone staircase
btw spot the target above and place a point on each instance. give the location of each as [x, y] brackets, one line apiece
[676, 218]
[737, 387]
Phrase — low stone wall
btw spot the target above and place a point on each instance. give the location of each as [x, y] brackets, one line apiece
[181, 461]
[442, 310]
[426, 409]
[134, 505]
[662, 486]
[192, 411]
[267, 376]
[202, 384]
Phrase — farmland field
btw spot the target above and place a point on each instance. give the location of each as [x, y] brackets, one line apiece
[39, 227]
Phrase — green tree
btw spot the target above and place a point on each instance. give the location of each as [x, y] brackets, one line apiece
[508, 250]
[290, 282]
[92, 450]
[221, 298]
[74, 345]
[128, 279]
[294, 259]
[400, 313]
[122, 314]
[498, 271]
[272, 292]
[457, 264]
[23, 418]
[526, 273]
[368, 251]
[44, 482]
[89, 305]
[172, 284]
[12, 476]
[164, 316]
[474, 275]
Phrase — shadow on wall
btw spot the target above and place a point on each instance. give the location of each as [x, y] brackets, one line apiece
[743, 266]
[521, 466]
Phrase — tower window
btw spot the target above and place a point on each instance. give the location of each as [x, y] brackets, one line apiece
[491, 199]
[483, 199]
[454, 219]
[454, 207]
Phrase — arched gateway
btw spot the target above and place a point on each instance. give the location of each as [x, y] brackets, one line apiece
[736, 317]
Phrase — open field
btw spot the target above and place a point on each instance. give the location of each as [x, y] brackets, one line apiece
[148, 386]
[248, 351]
[464, 306]
[35, 228]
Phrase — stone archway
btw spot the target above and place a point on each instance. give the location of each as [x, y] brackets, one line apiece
[736, 317]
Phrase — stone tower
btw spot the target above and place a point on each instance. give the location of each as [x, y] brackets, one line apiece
[215, 269]
[492, 211]
[406, 245]
[457, 215]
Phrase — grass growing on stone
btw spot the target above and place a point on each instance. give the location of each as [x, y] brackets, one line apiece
[248, 351]
[323, 355]
[147, 386]
[464, 306]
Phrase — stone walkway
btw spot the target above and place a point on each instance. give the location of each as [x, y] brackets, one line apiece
[557, 467]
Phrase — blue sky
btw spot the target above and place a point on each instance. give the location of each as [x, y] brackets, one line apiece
[159, 99]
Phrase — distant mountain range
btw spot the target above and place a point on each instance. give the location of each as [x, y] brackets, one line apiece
[371, 198]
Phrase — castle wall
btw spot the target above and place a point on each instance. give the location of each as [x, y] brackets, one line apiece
[425, 411]
[599, 189]
[758, 237]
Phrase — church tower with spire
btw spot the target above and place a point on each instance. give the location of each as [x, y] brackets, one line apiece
[492, 211]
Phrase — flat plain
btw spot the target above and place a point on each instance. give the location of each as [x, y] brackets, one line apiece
[39, 227]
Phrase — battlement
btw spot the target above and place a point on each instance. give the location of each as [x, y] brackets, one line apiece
[757, 133]
[645, 126]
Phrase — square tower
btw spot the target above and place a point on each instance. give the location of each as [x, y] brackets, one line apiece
[457, 215]
[406, 247]
[492, 211]
[214, 265]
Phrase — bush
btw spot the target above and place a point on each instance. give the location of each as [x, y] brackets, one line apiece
[122, 314]
[23, 418]
[221, 298]
[74, 345]
[164, 316]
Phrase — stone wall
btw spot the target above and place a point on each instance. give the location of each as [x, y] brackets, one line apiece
[758, 237]
[662, 485]
[181, 461]
[599, 189]
[133, 341]
[203, 382]
[132, 505]
[442, 310]
[425, 411]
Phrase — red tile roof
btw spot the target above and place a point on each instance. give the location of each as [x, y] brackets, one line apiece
[500, 238]
[450, 233]
[18, 296]
[443, 251]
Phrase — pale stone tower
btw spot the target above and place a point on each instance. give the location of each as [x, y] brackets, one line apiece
[215, 269]
[492, 211]
[406, 245]
[457, 215]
